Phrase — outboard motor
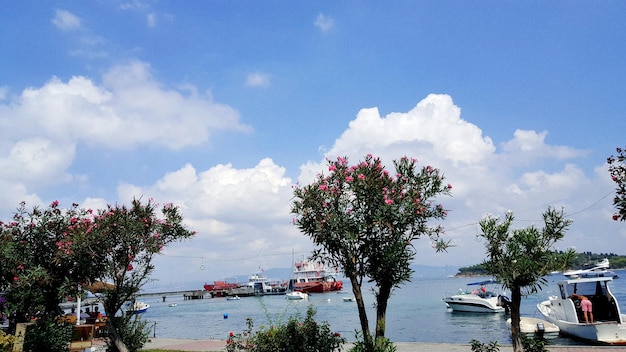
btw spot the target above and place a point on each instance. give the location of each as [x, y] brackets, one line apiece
[504, 301]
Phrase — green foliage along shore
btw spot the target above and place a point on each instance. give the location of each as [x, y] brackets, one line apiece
[617, 262]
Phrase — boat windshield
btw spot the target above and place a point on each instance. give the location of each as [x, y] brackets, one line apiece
[597, 288]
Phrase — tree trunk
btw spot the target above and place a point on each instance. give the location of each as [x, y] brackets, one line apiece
[115, 337]
[358, 296]
[516, 300]
[382, 298]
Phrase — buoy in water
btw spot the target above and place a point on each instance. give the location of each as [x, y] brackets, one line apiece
[225, 315]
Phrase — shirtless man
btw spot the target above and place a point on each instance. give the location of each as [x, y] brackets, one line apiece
[586, 306]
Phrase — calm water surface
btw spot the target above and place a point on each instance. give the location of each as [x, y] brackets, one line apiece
[416, 313]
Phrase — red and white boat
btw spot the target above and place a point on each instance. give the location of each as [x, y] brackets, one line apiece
[314, 277]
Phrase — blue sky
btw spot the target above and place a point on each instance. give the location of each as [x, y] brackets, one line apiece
[221, 106]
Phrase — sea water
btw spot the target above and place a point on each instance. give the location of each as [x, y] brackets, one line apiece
[416, 313]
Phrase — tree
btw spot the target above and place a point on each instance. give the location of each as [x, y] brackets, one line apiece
[120, 245]
[48, 254]
[35, 275]
[363, 221]
[617, 169]
[520, 258]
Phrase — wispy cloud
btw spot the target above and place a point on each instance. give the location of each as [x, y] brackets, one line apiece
[324, 23]
[258, 79]
[65, 20]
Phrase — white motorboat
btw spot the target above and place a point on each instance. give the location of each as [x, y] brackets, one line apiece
[600, 269]
[348, 299]
[607, 325]
[479, 299]
[233, 298]
[536, 328]
[139, 307]
[297, 295]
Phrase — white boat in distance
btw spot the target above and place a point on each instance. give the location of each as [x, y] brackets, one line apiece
[607, 326]
[536, 328]
[478, 300]
[600, 269]
[297, 295]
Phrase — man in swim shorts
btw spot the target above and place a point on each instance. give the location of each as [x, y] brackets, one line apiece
[586, 306]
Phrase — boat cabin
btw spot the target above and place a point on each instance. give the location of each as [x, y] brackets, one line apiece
[605, 307]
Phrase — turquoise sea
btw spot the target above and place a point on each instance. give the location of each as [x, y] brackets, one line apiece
[416, 313]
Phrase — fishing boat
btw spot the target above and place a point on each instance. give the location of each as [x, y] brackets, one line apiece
[139, 307]
[606, 323]
[478, 298]
[314, 277]
[599, 269]
[536, 328]
[297, 295]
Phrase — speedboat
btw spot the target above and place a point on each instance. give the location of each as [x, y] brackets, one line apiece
[600, 269]
[478, 300]
[348, 299]
[233, 298]
[607, 324]
[297, 295]
[536, 328]
[139, 307]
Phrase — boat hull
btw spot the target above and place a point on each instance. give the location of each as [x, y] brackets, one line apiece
[318, 287]
[605, 332]
[471, 305]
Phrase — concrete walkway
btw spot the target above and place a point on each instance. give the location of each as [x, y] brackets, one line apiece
[219, 346]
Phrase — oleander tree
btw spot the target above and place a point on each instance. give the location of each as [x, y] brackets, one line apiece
[121, 245]
[47, 254]
[617, 169]
[521, 258]
[363, 220]
[34, 272]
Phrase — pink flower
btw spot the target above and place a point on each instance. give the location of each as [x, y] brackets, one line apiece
[361, 177]
[349, 179]
[323, 187]
[16, 279]
[20, 267]
[449, 186]
[388, 201]
[615, 217]
[332, 167]
[130, 267]
[55, 204]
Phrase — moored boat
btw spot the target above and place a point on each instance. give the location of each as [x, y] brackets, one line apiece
[536, 328]
[478, 300]
[139, 307]
[606, 323]
[599, 269]
[297, 295]
[314, 277]
[264, 286]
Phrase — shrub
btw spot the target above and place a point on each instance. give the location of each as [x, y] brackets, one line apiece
[6, 342]
[382, 344]
[48, 334]
[295, 335]
[133, 331]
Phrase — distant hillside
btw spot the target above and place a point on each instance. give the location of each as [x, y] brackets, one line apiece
[617, 262]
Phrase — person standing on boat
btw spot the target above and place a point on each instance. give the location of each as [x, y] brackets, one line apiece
[586, 306]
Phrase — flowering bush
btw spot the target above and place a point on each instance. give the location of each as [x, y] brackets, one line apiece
[295, 335]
